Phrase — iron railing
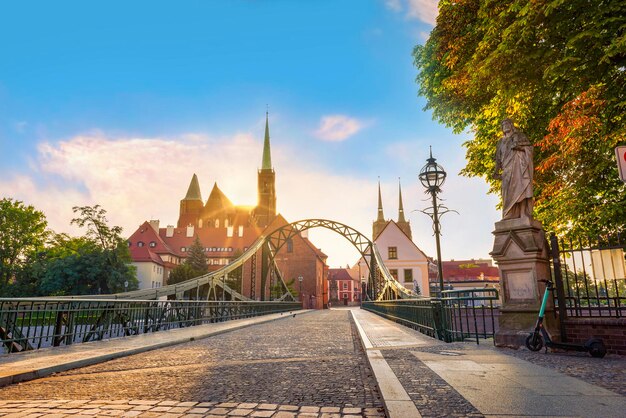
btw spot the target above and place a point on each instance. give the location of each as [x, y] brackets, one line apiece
[457, 316]
[27, 324]
[470, 313]
[590, 276]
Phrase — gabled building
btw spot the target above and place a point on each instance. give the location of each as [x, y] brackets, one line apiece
[226, 231]
[345, 287]
[404, 259]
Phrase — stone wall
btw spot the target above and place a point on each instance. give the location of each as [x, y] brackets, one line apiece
[611, 330]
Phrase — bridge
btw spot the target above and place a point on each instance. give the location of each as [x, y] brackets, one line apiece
[199, 348]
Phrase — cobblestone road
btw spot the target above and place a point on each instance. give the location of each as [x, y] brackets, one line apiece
[318, 364]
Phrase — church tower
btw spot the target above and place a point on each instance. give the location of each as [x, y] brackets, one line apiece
[402, 222]
[265, 211]
[380, 222]
[191, 206]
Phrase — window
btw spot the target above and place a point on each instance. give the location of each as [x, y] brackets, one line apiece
[217, 223]
[130, 243]
[152, 244]
[408, 275]
[394, 273]
[140, 244]
[392, 253]
[183, 249]
[289, 246]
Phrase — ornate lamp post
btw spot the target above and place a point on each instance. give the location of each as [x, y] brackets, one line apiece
[300, 278]
[432, 177]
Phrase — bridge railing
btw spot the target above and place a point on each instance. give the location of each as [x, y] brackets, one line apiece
[457, 316]
[27, 324]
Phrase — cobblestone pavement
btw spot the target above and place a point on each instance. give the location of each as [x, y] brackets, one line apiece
[432, 396]
[171, 409]
[313, 361]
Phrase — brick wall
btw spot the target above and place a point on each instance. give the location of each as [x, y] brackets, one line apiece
[611, 330]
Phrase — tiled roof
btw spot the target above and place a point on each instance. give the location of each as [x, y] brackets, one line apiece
[339, 274]
[216, 239]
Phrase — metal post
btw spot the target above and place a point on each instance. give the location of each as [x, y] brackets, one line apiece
[437, 243]
[558, 281]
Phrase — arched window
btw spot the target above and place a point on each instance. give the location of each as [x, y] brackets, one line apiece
[289, 246]
[217, 223]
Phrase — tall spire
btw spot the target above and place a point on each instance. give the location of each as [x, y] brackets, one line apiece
[193, 193]
[401, 208]
[267, 157]
[381, 217]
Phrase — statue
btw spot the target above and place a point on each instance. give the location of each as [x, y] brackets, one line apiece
[514, 166]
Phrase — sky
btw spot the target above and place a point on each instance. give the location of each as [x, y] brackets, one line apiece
[120, 103]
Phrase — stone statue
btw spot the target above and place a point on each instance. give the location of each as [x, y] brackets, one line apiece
[514, 166]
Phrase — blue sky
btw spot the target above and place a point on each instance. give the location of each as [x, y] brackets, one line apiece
[119, 103]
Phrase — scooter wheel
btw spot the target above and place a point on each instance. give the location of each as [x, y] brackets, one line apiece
[534, 342]
[597, 349]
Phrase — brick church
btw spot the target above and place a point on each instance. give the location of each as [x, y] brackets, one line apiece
[225, 231]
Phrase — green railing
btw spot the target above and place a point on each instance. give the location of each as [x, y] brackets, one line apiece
[27, 324]
[457, 316]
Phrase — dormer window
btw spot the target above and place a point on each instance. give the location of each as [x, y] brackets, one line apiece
[130, 244]
[140, 244]
[152, 244]
[183, 249]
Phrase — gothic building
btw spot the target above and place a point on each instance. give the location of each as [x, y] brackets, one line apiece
[394, 240]
[226, 230]
[219, 211]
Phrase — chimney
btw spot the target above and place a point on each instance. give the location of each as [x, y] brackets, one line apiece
[169, 232]
[189, 231]
[154, 223]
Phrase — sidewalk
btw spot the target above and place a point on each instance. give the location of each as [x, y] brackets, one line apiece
[19, 367]
[418, 375]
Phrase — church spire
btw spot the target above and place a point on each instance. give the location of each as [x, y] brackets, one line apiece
[381, 217]
[401, 208]
[267, 156]
[193, 192]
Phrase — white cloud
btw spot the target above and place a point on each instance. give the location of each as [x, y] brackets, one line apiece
[338, 127]
[136, 179]
[395, 5]
[423, 10]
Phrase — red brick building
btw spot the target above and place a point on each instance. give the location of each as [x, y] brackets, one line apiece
[226, 231]
[345, 287]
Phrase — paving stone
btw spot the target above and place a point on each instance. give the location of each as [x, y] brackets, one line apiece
[309, 409]
[267, 406]
[284, 414]
[187, 404]
[198, 411]
[240, 412]
[334, 409]
[288, 408]
[160, 409]
[140, 402]
[262, 414]
[178, 410]
[219, 411]
[248, 405]
[351, 410]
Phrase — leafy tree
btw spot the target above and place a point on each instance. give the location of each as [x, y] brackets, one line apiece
[106, 249]
[182, 272]
[557, 68]
[22, 233]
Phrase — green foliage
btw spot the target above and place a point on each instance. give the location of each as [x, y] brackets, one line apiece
[546, 64]
[59, 265]
[196, 257]
[22, 234]
[183, 272]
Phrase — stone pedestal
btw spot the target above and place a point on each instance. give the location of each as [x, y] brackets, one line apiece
[521, 251]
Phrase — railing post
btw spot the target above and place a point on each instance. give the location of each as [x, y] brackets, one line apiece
[558, 281]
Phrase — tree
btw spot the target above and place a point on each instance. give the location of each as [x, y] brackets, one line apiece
[182, 273]
[22, 233]
[106, 250]
[196, 257]
[557, 68]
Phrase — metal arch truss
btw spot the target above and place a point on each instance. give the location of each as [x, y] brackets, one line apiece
[381, 285]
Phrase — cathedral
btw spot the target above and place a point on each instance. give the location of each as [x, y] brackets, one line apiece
[219, 211]
[226, 230]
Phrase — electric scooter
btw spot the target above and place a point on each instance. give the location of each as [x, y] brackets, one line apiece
[539, 337]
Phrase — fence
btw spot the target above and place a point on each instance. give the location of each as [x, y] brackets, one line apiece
[458, 315]
[27, 324]
[590, 276]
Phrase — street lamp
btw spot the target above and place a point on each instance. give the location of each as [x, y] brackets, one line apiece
[300, 278]
[432, 177]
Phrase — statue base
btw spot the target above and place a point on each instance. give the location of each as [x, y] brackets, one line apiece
[520, 249]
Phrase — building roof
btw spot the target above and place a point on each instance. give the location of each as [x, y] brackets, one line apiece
[216, 239]
[193, 193]
[464, 271]
[339, 274]
[403, 233]
[151, 246]
[266, 164]
[217, 200]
